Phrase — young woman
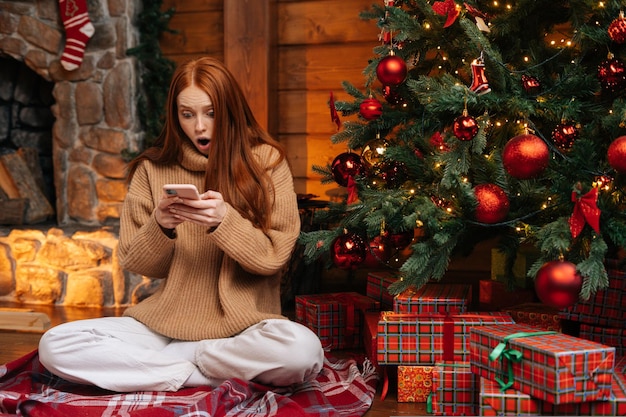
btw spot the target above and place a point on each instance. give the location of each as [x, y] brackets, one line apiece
[216, 314]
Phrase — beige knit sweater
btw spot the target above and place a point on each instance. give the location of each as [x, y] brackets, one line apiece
[215, 284]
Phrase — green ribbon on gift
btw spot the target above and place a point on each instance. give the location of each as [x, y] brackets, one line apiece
[511, 355]
[429, 403]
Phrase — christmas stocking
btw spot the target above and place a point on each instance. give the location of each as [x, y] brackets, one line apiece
[78, 30]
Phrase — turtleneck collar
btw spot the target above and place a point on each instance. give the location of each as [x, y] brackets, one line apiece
[192, 159]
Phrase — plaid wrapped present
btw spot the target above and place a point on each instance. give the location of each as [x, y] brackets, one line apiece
[455, 390]
[434, 298]
[548, 365]
[377, 287]
[615, 406]
[415, 383]
[537, 315]
[494, 402]
[412, 339]
[606, 335]
[336, 318]
[494, 295]
[607, 307]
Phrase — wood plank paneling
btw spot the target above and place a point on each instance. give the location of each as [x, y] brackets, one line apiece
[198, 33]
[324, 21]
[323, 67]
[249, 52]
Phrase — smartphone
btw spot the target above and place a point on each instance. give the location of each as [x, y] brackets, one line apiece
[188, 191]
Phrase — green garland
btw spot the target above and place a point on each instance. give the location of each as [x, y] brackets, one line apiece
[156, 70]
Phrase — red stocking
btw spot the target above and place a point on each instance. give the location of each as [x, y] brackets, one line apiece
[78, 30]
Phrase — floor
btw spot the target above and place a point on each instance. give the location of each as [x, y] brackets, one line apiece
[16, 344]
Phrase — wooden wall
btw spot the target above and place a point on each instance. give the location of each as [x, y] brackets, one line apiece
[318, 44]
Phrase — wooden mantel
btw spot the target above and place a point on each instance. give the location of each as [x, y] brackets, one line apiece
[249, 52]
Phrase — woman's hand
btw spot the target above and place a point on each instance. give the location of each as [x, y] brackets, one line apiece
[163, 212]
[208, 211]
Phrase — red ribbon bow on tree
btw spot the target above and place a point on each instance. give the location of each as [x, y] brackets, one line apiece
[446, 8]
[585, 211]
[334, 116]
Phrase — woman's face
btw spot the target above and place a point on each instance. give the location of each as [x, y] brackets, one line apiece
[196, 118]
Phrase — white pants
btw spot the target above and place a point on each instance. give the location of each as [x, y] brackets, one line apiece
[121, 354]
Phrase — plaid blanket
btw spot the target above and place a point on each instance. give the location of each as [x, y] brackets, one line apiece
[341, 389]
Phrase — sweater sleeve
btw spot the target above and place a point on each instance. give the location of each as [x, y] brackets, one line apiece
[143, 247]
[255, 251]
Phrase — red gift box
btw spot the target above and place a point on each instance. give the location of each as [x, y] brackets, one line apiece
[377, 287]
[494, 295]
[616, 406]
[494, 402]
[547, 365]
[455, 390]
[434, 298]
[370, 335]
[537, 315]
[415, 383]
[607, 307]
[411, 338]
[606, 335]
[336, 318]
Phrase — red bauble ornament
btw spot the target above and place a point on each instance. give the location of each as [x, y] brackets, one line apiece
[612, 74]
[558, 284]
[399, 240]
[616, 154]
[391, 70]
[617, 29]
[525, 156]
[346, 165]
[370, 109]
[531, 84]
[564, 135]
[379, 252]
[348, 251]
[465, 127]
[493, 203]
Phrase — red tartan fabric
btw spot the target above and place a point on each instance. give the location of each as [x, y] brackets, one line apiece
[341, 389]
[494, 402]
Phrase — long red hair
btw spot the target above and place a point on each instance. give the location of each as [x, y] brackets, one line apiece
[232, 169]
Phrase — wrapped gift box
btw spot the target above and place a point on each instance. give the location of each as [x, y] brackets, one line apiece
[434, 298]
[494, 295]
[377, 287]
[335, 317]
[537, 315]
[494, 402]
[370, 335]
[615, 406]
[607, 307]
[415, 383]
[455, 390]
[551, 366]
[606, 335]
[423, 339]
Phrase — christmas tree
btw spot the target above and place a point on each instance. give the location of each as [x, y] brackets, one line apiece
[484, 120]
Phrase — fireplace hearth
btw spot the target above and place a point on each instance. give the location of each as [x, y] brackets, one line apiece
[90, 120]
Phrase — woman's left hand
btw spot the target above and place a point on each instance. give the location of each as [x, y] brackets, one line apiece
[208, 211]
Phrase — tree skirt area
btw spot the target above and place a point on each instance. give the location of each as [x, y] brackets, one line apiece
[343, 388]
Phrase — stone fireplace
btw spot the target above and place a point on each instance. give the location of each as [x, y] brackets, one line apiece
[71, 259]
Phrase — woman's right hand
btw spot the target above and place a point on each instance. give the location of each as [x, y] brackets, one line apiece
[164, 215]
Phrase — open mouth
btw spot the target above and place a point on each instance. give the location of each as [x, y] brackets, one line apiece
[203, 142]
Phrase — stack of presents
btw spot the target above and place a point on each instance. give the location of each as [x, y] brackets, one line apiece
[483, 357]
